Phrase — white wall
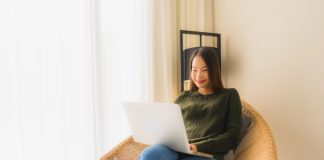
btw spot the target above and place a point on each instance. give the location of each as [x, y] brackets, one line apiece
[274, 53]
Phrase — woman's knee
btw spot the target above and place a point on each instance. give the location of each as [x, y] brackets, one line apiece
[158, 152]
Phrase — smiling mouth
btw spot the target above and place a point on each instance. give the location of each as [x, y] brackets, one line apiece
[202, 81]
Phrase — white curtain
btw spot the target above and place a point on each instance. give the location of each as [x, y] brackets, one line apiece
[46, 95]
[123, 66]
[197, 15]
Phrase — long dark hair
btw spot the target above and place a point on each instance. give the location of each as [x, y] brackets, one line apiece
[208, 54]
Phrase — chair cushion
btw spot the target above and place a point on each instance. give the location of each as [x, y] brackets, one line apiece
[246, 123]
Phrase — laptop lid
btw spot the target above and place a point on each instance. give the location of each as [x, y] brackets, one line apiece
[157, 123]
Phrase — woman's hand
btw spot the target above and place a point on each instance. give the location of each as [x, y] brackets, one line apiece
[193, 148]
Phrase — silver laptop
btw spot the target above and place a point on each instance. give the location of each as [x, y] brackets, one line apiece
[158, 123]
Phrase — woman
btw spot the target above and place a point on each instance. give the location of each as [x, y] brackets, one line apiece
[212, 113]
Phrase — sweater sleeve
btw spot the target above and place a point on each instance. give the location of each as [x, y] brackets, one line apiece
[230, 138]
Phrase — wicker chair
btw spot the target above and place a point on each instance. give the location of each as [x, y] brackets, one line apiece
[257, 143]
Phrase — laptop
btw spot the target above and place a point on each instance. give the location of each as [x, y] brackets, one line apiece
[158, 123]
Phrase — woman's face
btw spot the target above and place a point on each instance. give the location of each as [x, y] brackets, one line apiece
[199, 73]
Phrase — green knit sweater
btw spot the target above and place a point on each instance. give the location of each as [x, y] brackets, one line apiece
[212, 121]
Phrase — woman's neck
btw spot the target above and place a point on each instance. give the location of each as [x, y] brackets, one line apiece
[205, 91]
